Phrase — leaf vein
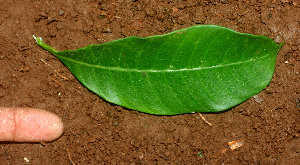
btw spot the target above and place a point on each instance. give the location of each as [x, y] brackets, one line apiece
[161, 70]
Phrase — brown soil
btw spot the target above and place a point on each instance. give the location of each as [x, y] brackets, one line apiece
[98, 132]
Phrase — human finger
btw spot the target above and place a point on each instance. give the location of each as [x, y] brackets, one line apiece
[29, 125]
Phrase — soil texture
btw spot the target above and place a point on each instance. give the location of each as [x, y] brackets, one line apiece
[98, 132]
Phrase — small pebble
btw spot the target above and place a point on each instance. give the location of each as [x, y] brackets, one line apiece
[26, 160]
[258, 99]
[61, 12]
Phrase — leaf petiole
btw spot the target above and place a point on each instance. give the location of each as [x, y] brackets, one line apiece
[42, 44]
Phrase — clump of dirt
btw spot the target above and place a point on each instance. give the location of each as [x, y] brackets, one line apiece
[98, 132]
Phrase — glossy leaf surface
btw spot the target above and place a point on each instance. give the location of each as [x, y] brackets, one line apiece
[204, 68]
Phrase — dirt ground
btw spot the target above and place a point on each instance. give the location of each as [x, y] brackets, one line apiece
[97, 132]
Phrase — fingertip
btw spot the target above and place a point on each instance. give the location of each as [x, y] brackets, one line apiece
[37, 125]
[57, 128]
[52, 128]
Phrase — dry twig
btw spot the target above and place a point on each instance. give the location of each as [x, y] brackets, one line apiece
[63, 77]
[69, 155]
[202, 117]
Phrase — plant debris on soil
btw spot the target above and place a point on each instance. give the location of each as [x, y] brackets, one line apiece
[98, 132]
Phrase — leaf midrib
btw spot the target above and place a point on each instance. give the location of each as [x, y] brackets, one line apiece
[163, 70]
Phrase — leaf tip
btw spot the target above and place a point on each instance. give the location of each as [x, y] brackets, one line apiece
[281, 45]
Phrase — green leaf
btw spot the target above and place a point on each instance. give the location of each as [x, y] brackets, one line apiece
[204, 68]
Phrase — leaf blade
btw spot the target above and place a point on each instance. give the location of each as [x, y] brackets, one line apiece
[197, 69]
